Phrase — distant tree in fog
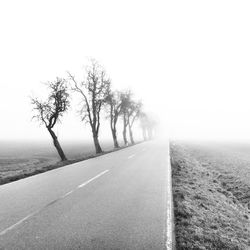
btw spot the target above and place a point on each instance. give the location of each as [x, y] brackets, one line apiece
[148, 125]
[126, 98]
[143, 122]
[93, 90]
[134, 109]
[114, 103]
[130, 111]
[51, 110]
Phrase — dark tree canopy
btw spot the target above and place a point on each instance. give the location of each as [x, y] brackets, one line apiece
[93, 90]
[52, 109]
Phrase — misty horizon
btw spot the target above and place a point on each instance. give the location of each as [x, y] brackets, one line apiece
[192, 80]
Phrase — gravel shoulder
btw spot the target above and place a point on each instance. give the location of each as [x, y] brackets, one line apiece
[211, 199]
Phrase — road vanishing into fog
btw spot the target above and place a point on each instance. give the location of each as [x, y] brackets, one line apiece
[115, 201]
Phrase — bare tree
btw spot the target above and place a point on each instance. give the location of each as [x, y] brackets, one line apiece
[130, 111]
[126, 100]
[152, 123]
[148, 124]
[114, 103]
[133, 113]
[93, 90]
[49, 111]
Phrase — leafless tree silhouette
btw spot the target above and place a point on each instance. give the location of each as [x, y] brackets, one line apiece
[94, 90]
[114, 103]
[126, 98]
[130, 111]
[148, 125]
[133, 113]
[49, 111]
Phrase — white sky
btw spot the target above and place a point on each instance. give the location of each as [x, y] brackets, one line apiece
[188, 61]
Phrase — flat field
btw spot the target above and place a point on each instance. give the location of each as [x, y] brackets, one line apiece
[211, 187]
[22, 159]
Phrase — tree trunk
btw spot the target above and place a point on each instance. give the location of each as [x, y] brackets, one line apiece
[57, 145]
[116, 145]
[98, 148]
[144, 134]
[124, 133]
[150, 133]
[131, 135]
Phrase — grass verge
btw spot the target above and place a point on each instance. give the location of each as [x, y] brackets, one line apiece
[207, 214]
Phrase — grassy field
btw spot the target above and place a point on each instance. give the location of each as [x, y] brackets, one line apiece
[211, 192]
[22, 159]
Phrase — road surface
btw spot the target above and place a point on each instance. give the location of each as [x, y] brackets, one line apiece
[115, 201]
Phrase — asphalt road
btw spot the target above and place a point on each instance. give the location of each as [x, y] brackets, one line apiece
[115, 201]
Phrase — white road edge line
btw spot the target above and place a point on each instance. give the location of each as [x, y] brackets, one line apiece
[28, 216]
[97, 176]
[131, 156]
[169, 213]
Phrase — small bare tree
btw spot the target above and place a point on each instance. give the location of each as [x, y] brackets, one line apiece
[114, 103]
[51, 110]
[93, 90]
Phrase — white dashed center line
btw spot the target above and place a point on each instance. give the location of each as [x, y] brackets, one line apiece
[16, 224]
[70, 192]
[131, 156]
[61, 197]
[97, 176]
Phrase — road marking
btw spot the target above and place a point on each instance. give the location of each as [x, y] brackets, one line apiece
[144, 149]
[70, 192]
[170, 242]
[131, 156]
[39, 210]
[16, 224]
[97, 176]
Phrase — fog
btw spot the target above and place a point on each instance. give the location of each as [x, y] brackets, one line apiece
[188, 61]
